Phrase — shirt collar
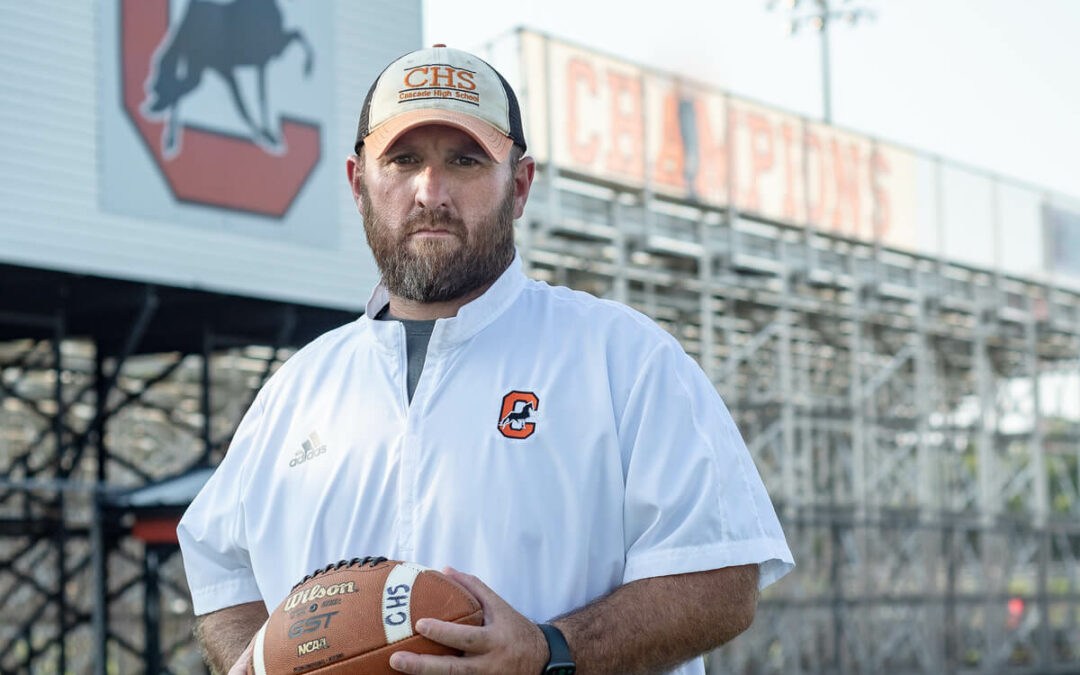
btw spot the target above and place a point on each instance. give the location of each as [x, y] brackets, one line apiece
[473, 317]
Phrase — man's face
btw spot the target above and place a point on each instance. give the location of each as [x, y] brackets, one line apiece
[438, 214]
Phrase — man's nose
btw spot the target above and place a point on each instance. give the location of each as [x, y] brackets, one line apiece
[432, 188]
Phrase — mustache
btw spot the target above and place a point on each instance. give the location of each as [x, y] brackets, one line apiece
[428, 220]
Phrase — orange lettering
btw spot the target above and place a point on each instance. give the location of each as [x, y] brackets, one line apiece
[579, 71]
[626, 126]
[761, 156]
[847, 187]
[408, 77]
[670, 159]
[437, 77]
[465, 80]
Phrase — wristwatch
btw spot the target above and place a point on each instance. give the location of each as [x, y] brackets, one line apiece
[560, 662]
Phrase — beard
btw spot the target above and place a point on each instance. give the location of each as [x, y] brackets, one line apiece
[444, 268]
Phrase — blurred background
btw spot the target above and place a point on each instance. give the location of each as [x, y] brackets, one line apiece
[861, 217]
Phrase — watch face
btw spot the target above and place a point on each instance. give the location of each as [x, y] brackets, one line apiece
[560, 669]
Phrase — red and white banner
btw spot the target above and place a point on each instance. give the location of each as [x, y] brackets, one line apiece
[624, 124]
[216, 122]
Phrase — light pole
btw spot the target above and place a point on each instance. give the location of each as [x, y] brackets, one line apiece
[816, 15]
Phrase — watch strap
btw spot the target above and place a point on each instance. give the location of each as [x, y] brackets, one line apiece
[559, 662]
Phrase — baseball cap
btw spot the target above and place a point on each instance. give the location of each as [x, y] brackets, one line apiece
[446, 86]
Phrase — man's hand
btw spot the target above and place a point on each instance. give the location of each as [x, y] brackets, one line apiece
[506, 643]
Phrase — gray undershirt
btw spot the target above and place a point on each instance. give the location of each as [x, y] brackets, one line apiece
[417, 336]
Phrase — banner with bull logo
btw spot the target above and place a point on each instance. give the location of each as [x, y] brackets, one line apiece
[217, 114]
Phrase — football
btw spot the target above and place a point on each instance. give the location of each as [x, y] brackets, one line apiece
[350, 616]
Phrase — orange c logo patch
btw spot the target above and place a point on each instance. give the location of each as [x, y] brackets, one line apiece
[516, 420]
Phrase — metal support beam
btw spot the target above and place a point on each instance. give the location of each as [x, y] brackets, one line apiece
[705, 299]
[858, 415]
[204, 398]
[620, 292]
[59, 334]
[100, 621]
[986, 460]
[1041, 496]
[1040, 479]
[152, 609]
[787, 401]
[925, 400]
[98, 546]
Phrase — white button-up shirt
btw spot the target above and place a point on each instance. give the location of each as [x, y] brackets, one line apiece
[557, 446]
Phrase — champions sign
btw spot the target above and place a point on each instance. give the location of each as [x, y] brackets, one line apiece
[617, 122]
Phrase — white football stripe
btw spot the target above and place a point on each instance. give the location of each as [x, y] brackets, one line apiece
[259, 658]
[396, 600]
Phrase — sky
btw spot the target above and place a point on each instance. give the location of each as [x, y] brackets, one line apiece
[989, 83]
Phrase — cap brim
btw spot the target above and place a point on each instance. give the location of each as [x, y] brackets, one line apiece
[495, 143]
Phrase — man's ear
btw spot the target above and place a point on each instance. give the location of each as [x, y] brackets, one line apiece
[354, 168]
[523, 178]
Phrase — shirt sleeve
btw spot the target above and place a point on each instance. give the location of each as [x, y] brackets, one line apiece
[694, 499]
[211, 533]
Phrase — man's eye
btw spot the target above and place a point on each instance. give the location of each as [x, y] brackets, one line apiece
[403, 159]
[465, 160]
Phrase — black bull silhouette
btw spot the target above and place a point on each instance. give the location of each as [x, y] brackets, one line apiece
[221, 37]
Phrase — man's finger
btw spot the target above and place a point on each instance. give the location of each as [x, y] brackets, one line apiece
[486, 596]
[469, 639]
[426, 664]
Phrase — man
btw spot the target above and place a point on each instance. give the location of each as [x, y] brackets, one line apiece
[562, 449]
